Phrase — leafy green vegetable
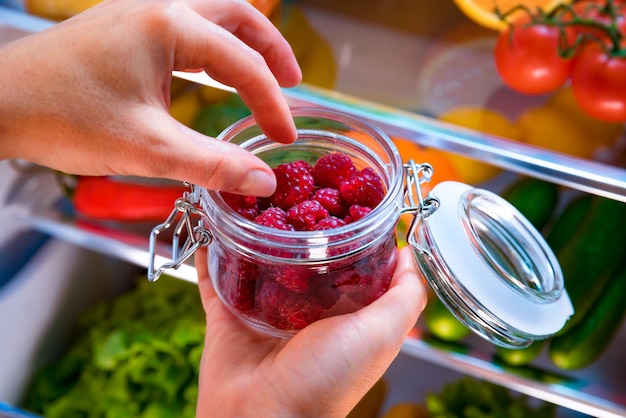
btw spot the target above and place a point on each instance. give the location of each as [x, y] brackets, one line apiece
[472, 398]
[214, 118]
[136, 356]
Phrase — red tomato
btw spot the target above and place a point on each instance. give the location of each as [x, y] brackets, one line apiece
[527, 57]
[599, 83]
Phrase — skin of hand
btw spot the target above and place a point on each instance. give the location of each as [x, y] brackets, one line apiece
[91, 95]
[323, 371]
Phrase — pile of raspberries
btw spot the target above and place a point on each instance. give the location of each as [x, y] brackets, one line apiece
[329, 194]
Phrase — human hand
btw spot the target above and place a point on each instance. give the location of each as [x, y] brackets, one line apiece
[91, 95]
[323, 371]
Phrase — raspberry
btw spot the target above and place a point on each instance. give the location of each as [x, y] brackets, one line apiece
[331, 169]
[246, 206]
[331, 200]
[284, 309]
[370, 277]
[330, 223]
[357, 212]
[363, 188]
[274, 218]
[238, 282]
[291, 278]
[305, 215]
[294, 184]
[365, 284]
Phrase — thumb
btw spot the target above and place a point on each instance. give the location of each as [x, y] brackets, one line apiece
[187, 155]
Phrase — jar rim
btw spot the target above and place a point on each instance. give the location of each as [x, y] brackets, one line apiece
[390, 204]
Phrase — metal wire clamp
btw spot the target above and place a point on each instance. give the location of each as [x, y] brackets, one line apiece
[196, 234]
[421, 206]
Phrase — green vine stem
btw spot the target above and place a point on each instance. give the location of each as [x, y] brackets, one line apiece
[574, 19]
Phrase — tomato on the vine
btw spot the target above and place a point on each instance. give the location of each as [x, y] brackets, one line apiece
[596, 11]
[599, 83]
[527, 56]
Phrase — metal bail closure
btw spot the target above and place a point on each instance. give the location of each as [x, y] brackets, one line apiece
[189, 233]
[488, 264]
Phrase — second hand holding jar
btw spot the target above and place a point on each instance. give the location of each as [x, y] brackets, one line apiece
[278, 278]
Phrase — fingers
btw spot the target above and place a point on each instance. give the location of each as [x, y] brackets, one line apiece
[394, 314]
[180, 153]
[354, 350]
[207, 293]
[242, 49]
[256, 31]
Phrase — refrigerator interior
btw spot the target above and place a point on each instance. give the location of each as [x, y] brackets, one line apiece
[379, 59]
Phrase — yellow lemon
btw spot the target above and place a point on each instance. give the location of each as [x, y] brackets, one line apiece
[369, 406]
[406, 410]
[313, 52]
[550, 128]
[211, 95]
[599, 132]
[63, 9]
[483, 12]
[185, 107]
[483, 120]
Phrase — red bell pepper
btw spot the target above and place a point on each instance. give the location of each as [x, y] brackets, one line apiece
[107, 198]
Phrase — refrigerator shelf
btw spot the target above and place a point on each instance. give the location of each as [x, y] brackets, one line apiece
[36, 201]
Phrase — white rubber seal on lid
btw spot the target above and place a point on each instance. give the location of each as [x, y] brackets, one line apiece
[459, 251]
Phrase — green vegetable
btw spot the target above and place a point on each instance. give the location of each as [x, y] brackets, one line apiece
[442, 323]
[135, 356]
[520, 357]
[535, 199]
[472, 398]
[592, 252]
[214, 118]
[568, 222]
[584, 343]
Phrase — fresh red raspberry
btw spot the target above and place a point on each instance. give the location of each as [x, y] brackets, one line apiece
[294, 184]
[368, 278]
[284, 309]
[305, 215]
[292, 278]
[331, 169]
[238, 282]
[274, 218]
[357, 212]
[331, 200]
[246, 206]
[365, 287]
[363, 188]
[330, 223]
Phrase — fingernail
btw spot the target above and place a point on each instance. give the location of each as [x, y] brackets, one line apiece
[258, 183]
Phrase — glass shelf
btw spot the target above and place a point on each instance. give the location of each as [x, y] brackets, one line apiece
[36, 201]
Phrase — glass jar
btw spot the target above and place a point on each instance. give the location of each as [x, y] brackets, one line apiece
[279, 281]
[483, 259]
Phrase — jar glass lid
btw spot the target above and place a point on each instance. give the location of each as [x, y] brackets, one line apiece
[491, 267]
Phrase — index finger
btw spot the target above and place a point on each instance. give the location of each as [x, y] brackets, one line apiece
[241, 48]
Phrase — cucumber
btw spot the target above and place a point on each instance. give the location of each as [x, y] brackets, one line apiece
[535, 199]
[566, 225]
[442, 323]
[520, 357]
[590, 256]
[584, 343]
